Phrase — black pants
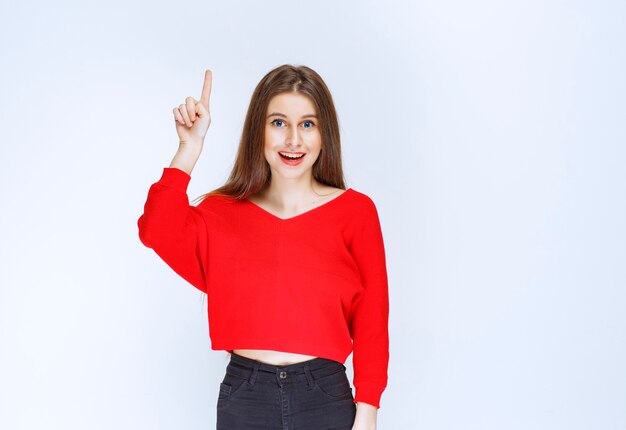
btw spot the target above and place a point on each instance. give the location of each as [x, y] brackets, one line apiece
[314, 394]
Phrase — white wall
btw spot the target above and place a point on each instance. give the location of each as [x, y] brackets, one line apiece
[490, 134]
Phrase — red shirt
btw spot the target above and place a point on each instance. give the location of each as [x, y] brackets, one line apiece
[313, 284]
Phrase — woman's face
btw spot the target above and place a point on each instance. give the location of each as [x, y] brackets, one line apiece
[291, 127]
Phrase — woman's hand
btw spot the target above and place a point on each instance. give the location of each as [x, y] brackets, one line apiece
[192, 117]
[366, 416]
[192, 122]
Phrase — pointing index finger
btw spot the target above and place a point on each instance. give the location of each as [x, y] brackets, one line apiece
[206, 88]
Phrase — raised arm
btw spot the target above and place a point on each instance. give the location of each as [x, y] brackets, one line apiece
[172, 227]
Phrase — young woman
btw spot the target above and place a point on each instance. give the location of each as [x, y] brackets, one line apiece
[292, 262]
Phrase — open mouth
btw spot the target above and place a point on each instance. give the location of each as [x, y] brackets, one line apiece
[292, 155]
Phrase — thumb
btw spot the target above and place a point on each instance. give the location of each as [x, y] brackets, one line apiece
[201, 111]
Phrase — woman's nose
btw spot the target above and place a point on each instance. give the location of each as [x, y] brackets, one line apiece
[294, 137]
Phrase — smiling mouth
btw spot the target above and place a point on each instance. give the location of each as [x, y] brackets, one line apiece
[292, 155]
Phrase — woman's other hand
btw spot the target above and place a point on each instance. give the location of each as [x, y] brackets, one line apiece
[192, 118]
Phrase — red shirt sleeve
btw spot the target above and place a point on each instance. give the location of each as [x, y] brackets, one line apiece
[174, 229]
[370, 314]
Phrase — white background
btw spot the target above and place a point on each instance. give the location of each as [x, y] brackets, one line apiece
[490, 134]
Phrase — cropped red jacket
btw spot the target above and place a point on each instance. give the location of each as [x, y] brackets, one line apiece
[313, 284]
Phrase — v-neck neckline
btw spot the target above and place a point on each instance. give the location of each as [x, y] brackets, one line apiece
[301, 215]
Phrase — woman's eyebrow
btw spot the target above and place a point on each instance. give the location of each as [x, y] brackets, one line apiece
[285, 116]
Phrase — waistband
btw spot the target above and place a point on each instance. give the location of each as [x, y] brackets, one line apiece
[249, 368]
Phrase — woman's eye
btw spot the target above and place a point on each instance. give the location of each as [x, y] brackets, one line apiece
[276, 121]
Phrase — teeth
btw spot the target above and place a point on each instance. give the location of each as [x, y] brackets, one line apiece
[291, 155]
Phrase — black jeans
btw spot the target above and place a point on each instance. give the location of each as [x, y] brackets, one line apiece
[311, 395]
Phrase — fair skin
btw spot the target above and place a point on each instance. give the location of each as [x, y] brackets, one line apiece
[290, 126]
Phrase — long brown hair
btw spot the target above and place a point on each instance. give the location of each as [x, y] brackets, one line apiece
[251, 172]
